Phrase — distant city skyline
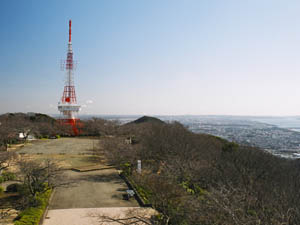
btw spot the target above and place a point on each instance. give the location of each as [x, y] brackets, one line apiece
[153, 57]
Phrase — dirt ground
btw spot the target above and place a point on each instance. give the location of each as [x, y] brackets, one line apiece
[70, 146]
[68, 152]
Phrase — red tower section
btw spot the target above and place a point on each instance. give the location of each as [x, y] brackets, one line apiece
[68, 106]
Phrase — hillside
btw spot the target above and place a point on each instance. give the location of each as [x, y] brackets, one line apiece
[147, 119]
[33, 117]
[36, 124]
[201, 179]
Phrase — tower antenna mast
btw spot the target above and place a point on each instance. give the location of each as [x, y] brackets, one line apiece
[68, 106]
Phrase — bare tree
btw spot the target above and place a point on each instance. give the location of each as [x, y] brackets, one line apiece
[200, 179]
[6, 158]
[36, 175]
[99, 127]
[7, 134]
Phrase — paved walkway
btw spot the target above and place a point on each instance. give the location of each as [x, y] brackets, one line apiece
[100, 188]
[90, 216]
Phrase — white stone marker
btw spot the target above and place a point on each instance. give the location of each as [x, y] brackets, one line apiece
[139, 166]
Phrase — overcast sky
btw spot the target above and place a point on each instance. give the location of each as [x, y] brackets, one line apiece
[233, 57]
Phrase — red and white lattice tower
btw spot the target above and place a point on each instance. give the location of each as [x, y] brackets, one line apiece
[68, 106]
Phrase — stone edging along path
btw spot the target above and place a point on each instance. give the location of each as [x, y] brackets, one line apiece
[47, 208]
[139, 199]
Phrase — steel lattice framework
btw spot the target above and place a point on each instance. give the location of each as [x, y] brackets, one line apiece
[68, 106]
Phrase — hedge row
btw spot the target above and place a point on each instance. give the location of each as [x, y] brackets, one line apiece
[33, 215]
[141, 194]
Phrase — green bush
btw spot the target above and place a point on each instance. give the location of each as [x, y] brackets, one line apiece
[126, 168]
[143, 193]
[8, 176]
[30, 216]
[33, 215]
[57, 136]
[1, 190]
[1, 179]
[230, 147]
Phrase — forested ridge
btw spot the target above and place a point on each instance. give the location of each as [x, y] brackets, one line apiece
[201, 179]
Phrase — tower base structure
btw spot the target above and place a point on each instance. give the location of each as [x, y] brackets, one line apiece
[68, 116]
[74, 124]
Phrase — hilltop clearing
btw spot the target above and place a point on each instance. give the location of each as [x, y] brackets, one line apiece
[189, 178]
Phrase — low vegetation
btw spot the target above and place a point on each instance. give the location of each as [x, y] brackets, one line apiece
[31, 192]
[7, 176]
[32, 215]
[38, 181]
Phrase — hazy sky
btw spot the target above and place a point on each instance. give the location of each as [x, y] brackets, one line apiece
[233, 57]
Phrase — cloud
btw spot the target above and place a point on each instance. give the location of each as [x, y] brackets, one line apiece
[84, 106]
[89, 101]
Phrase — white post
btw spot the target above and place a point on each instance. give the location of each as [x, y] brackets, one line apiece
[139, 166]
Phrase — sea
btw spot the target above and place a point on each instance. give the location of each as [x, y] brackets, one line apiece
[288, 122]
